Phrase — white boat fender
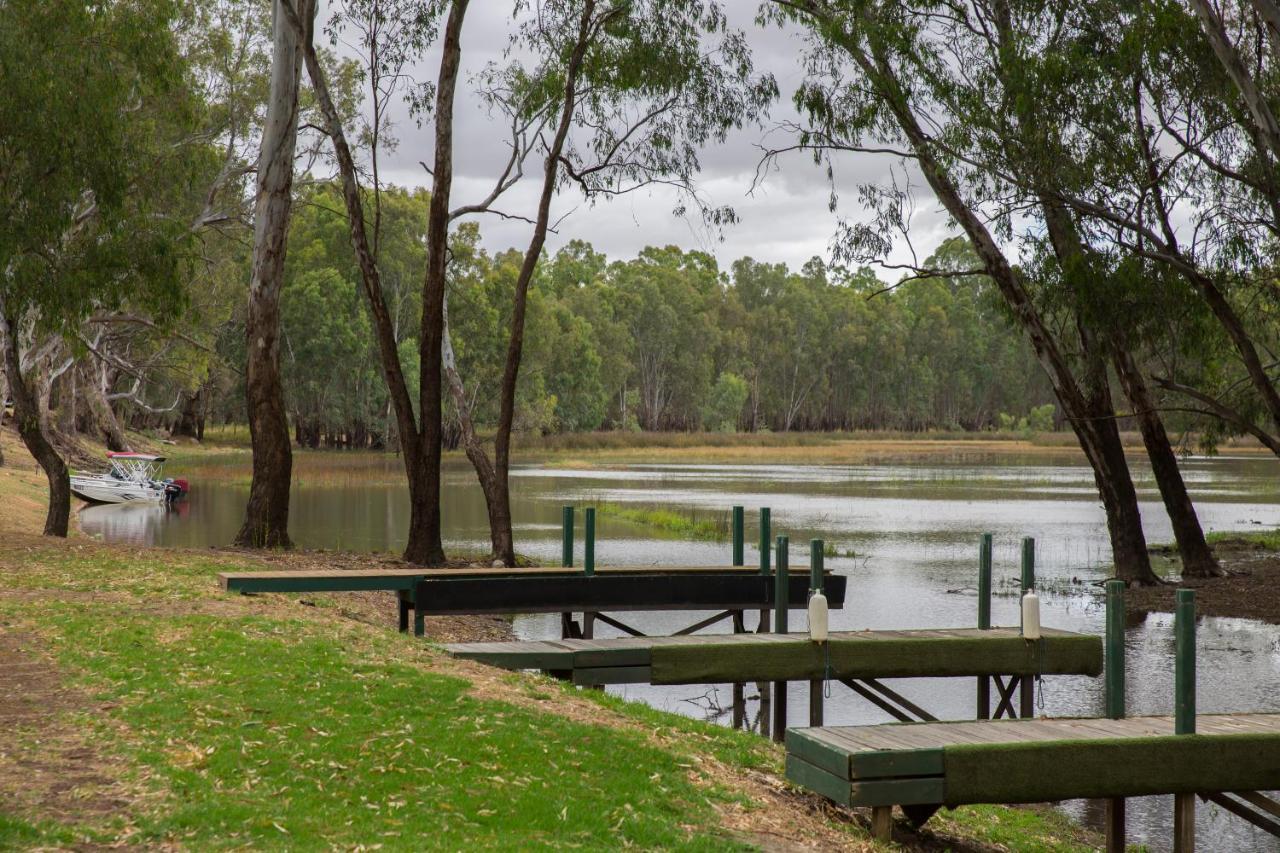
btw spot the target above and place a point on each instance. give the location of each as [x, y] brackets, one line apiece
[818, 617]
[1031, 616]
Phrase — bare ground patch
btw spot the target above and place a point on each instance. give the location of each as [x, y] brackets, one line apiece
[49, 767]
[1251, 589]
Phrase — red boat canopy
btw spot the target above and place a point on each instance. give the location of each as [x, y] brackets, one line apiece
[141, 457]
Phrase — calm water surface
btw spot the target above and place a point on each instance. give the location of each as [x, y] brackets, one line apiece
[911, 530]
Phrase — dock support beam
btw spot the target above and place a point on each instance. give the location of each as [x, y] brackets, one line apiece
[882, 823]
[781, 604]
[1115, 704]
[1184, 711]
[984, 619]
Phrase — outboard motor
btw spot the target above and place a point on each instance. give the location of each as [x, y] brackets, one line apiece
[172, 491]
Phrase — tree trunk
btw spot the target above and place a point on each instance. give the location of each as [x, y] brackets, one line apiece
[1097, 435]
[67, 402]
[1098, 430]
[496, 496]
[4, 399]
[1197, 558]
[30, 423]
[266, 522]
[500, 511]
[188, 422]
[425, 546]
[100, 407]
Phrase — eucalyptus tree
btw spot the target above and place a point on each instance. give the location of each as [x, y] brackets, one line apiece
[266, 519]
[420, 430]
[886, 77]
[1187, 180]
[612, 97]
[79, 231]
[627, 93]
[1015, 58]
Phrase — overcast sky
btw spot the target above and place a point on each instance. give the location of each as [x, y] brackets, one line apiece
[784, 220]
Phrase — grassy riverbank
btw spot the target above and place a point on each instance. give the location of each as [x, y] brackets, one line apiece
[145, 708]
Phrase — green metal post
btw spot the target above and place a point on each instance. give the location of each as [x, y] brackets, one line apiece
[781, 589]
[589, 541]
[1115, 650]
[984, 619]
[1027, 683]
[816, 558]
[782, 586]
[765, 539]
[984, 582]
[738, 526]
[1028, 564]
[1114, 814]
[1184, 710]
[566, 536]
[1184, 672]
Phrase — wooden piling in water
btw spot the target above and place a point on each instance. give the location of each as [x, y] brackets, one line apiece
[816, 561]
[984, 618]
[781, 604]
[589, 541]
[1184, 710]
[1115, 701]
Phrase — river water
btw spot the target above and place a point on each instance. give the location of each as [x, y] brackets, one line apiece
[908, 533]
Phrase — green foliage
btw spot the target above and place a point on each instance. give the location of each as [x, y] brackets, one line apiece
[680, 525]
[725, 402]
[1041, 418]
[662, 341]
[92, 183]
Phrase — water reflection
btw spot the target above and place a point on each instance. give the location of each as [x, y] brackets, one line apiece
[907, 534]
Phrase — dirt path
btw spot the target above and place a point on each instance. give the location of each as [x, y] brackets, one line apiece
[49, 768]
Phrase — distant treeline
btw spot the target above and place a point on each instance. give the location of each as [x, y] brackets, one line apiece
[664, 341]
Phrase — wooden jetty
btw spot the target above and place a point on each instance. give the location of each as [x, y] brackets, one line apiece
[923, 766]
[724, 658]
[593, 591]
[729, 590]
[1228, 759]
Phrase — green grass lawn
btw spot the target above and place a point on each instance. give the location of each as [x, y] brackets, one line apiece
[256, 722]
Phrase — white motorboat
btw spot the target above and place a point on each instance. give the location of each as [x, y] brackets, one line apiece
[132, 477]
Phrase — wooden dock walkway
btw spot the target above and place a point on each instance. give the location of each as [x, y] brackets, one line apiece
[346, 580]
[726, 658]
[728, 590]
[923, 766]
